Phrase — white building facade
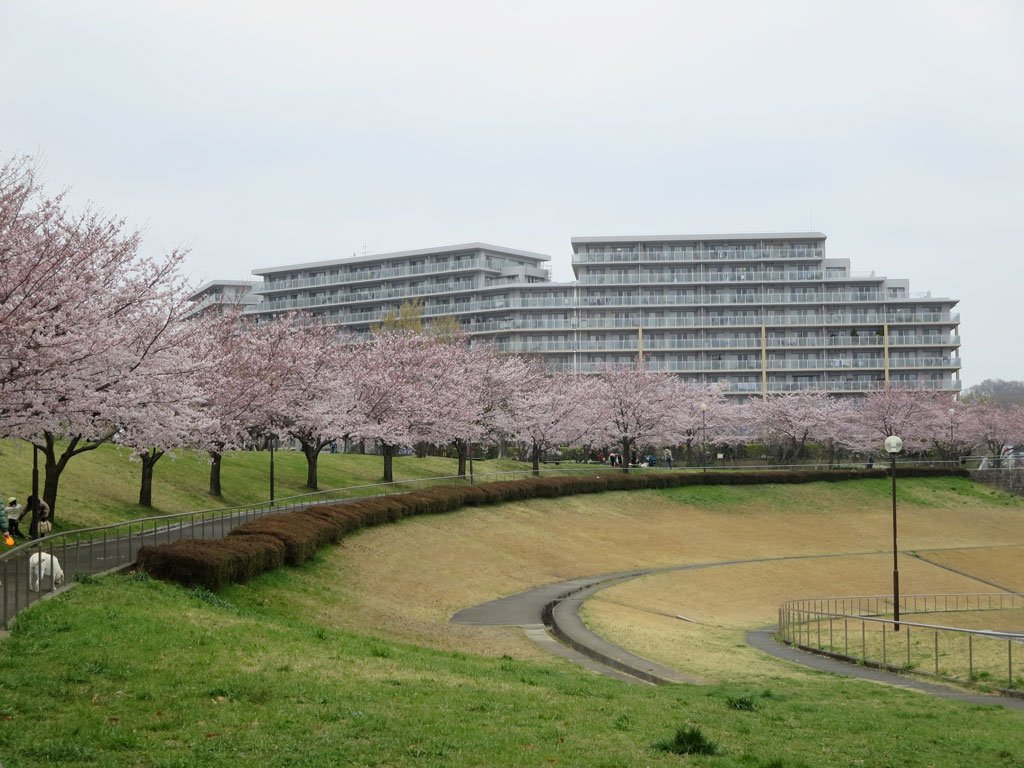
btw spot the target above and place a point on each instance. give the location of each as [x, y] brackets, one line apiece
[756, 313]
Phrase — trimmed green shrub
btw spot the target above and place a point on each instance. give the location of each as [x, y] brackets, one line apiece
[301, 534]
[294, 537]
[212, 564]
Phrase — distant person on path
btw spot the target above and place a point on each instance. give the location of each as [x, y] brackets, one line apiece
[668, 457]
[871, 462]
[40, 525]
[15, 512]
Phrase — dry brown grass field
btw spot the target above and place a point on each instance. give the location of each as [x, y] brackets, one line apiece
[999, 565]
[405, 581]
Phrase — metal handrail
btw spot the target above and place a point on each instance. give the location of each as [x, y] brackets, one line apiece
[810, 623]
[92, 550]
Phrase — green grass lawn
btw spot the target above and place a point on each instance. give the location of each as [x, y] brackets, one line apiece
[935, 492]
[124, 670]
[128, 671]
[102, 486]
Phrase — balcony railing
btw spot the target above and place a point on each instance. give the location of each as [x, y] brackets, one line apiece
[896, 340]
[364, 275]
[697, 255]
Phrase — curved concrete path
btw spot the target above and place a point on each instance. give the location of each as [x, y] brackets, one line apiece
[549, 615]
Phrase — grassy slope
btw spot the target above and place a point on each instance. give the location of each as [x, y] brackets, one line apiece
[938, 492]
[271, 673]
[102, 486]
[142, 673]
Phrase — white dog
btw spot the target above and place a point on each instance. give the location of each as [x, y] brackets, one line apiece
[50, 566]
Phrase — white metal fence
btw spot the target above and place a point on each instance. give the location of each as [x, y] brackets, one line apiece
[860, 630]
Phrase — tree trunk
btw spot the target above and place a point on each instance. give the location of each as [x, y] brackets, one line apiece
[535, 453]
[312, 454]
[389, 454]
[460, 452]
[149, 460]
[53, 466]
[52, 469]
[362, 446]
[215, 459]
[626, 445]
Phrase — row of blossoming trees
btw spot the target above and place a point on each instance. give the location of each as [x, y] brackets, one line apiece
[95, 347]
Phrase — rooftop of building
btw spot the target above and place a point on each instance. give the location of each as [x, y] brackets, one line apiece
[368, 259]
[720, 238]
[211, 285]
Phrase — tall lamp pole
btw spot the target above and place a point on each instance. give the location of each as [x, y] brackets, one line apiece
[894, 445]
[704, 436]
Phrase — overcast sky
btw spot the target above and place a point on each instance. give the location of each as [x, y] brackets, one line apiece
[267, 133]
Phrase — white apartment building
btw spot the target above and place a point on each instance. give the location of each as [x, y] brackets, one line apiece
[757, 313]
[221, 296]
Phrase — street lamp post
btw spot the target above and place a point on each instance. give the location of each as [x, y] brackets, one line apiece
[894, 445]
[704, 436]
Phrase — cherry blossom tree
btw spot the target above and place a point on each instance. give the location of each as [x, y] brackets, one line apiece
[957, 434]
[489, 385]
[545, 412]
[319, 407]
[994, 426]
[702, 417]
[403, 390]
[83, 312]
[916, 416]
[631, 405]
[238, 388]
[836, 423]
[789, 421]
[165, 412]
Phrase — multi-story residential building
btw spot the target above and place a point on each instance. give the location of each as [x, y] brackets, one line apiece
[755, 313]
[221, 295]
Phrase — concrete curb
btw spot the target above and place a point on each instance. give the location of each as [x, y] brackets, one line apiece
[563, 619]
[550, 616]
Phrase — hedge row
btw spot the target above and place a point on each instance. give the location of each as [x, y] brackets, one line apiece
[293, 537]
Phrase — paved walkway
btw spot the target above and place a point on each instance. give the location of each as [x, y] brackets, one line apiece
[764, 640]
[549, 615]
